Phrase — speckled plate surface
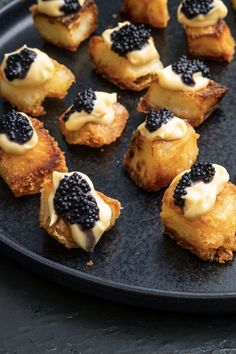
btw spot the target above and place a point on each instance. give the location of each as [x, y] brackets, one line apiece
[133, 263]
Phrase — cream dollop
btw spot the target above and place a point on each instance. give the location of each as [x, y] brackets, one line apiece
[15, 148]
[41, 70]
[140, 57]
[201, 197]
[52, 8]
[174, 129]
[103, 112]
[89, 238]
[219, 11]
[168, 79]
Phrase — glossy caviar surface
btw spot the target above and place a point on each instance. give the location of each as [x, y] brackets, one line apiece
[84, 101]
[18, 64]
[129, 38]
[74, 203]
[204, 172]
[188, 67]
[193, 8]
[155, 119]
[16, 126]
[70, 7]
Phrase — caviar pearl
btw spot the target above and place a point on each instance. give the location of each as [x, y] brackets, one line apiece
[186, 68]
[18, 64]
[155, 119]
[70, 7]
[129, 38]
[16, 127]
[204, 172]
[193, 8]
[84, 101]
[74, 203]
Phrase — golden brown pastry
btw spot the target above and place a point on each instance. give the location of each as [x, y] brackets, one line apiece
[199, 212]
[95, 119]
[234, 4]
[184, 88]
[207, 33]
[126, 55]
[65, 23]
[28, 76]
[28, 154]
[79, 217]
[161, 147]
[150, 12]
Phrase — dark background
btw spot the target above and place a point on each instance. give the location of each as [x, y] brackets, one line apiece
[38, 316]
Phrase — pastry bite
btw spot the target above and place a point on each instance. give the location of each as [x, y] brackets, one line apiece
[73, 212]
[28, 154]
[151, 12]
[160, 148]
[234, 4]
[207, 33]
[126, 55]
[199, 212]
[95, 119]
[65, 23]
[186, 89]
[28, 76]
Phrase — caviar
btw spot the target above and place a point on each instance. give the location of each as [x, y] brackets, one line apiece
[129, 38]
[74, 202]
[84, 101]
[155, 119]
[193, 8]
[186, 68]
[199, 172]
[18, 64]
[70, 7]
[16, 126]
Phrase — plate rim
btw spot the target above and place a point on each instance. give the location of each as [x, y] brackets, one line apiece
[92, 280]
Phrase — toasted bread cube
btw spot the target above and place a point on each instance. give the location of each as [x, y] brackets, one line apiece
[60, 230]
[153, 164]
[29, 99]
[24, 174]
[152, 12]
[212, 236]
[96, 135]
[117, 69]
[194, 106]
[211, 42]
[67, 31]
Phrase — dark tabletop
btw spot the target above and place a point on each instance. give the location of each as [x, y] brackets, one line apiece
[37, 316]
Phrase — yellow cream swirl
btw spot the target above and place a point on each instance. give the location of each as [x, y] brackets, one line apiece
[174, 129]
[201, 197]
[103, 112]
[79, 235]
[218, 12]
[168, 79]
[15, 148]
[41, 70]
[137, 58]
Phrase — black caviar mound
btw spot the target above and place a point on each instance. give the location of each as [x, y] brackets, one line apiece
[16, 126]
[18, 64]
[187, 67]
[74, 202]
[70, 7]
[129, 38]
[155, 119]
[201, 171]
[84, 101]
[193, 8]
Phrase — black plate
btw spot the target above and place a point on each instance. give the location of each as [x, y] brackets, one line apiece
[133, 263]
